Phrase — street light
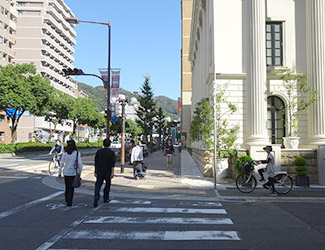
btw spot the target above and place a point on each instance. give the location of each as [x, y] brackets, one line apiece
[122, 100]
[74, 20]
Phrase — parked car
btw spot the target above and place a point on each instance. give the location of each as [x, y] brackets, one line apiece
[115, 144]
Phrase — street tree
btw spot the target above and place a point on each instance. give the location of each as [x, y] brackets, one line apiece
[82, 113]
[132, 128]
[23, 90]
[60, 109]
[146, 111]
[160, 124]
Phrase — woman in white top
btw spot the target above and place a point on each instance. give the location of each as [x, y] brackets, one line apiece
[136, 159]
[68, 164]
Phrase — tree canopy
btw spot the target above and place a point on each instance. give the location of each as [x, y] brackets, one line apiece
[23, 90]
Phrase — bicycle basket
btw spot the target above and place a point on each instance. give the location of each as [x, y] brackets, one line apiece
[247, 166]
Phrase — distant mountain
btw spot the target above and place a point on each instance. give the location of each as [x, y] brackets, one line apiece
[98, 96]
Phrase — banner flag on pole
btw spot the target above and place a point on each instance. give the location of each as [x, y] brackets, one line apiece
[115, 79]
[104, 75]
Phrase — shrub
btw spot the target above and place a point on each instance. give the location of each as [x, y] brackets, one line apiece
[6, 148]
[300, 161]
[241, 160]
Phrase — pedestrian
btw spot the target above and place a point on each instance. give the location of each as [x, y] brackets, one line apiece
[270, 169]
[179, 146]
[137, 159]
[104, 170]
[58, 150]
[132, 145]
[68, 163]
[169, 150]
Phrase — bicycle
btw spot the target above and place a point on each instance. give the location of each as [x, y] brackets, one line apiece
[54, 164]
[246, 181]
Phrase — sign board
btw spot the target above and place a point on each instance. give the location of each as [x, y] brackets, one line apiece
[115, 79]
[114, 118]
[104, 75]
[115, 92]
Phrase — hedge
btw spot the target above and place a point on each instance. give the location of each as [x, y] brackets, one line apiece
[36, 146]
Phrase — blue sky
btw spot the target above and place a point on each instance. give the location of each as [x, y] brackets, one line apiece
[146, 39]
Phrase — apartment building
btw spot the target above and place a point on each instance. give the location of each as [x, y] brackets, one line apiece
[8, 18]
[186, 74]
[46, 39]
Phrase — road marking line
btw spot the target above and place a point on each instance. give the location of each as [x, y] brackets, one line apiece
[130, 202]
[28, 205]
[13, 177]
[65, 231]
[201, 203]
[159, 235]
[156, 220]
[167, 210]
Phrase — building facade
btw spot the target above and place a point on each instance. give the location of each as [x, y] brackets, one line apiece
[186, 74]
[46, 39]
[8, 19]
[241, 44]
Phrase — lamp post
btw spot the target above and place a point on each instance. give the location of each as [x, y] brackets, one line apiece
[74, 20]
[123, 102]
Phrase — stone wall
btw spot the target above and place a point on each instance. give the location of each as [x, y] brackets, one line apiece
[204, 161]
[288, 157]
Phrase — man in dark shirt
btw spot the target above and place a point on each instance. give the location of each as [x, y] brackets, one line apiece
[104, 170]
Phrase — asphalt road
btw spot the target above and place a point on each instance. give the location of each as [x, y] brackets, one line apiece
[33, 216]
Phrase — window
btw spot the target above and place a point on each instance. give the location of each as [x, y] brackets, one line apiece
[274, 46]
[275, 120]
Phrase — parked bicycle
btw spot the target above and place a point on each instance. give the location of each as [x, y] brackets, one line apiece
[246, 181]
[54, 164]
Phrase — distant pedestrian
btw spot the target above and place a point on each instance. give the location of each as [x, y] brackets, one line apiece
[58, 150]
[68, 162]
[179, 146]
[169, 150]
[104, 170]
[137, 159]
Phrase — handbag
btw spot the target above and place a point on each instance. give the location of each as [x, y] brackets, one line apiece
[76, 180]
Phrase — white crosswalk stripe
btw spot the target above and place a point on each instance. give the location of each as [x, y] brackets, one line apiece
[135, 220]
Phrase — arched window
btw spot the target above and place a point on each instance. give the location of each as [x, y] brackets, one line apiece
[275, 120]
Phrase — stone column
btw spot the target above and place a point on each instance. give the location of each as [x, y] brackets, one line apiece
[256, 74]
[315, 23]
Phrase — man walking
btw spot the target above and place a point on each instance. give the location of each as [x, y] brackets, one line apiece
[104, 170]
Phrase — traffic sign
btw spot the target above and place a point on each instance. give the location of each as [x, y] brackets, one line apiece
[114, 118]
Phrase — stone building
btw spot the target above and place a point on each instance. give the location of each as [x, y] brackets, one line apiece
[242, 43]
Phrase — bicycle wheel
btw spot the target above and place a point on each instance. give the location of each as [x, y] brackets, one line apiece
[284, 185]
[52, 168]
[246, 183]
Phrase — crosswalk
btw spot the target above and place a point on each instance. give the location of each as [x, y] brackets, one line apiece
[123, 223]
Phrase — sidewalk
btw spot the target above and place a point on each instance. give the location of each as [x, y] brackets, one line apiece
[183, 181]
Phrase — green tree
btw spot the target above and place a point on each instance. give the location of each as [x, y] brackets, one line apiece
[160, 124]
[82, 113]
[202, 124]
[60, 109]
[296, 89]
[146, 111]
[132, 128]
[23, 90]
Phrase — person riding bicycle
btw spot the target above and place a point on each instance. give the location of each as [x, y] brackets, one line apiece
[270, 170]
[137, 159]
[58, 149]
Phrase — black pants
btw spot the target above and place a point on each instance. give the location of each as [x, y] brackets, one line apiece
[98, 185]
[271, 183]
[261, 171]
[69, 190]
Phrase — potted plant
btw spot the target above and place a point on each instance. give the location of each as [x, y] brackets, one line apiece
[296, 89]
[241, 161]
[226, 135]
[301, 179]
